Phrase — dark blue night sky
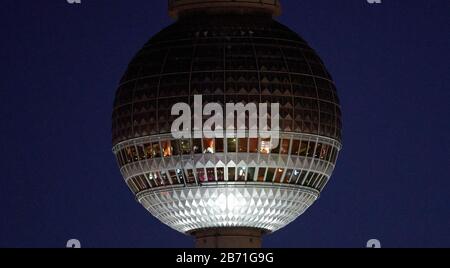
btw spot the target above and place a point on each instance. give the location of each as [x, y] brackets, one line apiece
[60, 65]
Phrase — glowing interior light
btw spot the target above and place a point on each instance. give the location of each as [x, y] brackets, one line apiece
[265, 147]
[209, 146]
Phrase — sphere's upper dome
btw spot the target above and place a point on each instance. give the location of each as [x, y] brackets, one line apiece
[226, 58]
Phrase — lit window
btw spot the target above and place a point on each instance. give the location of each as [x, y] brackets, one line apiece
[285, 146]
[231, 174]
[152, 180]
[287, 176]
[253, 145]
[301, 177]
[295, 147]
[119, 159]
[135, 185]
[332, 154]
[261, 174]
[166, 148]
[251, 174]
[278, 175]
[265, 146]
[335, 154]
[313, 180]
[324, 151]
[308, 179]
[124, 156]
[158, 179]
[303, 148]
[190, 176]
[175, 148]
[277, 149]
[201, 175]
[134, 153]
[211, 175]
[156, 150]
[270, 174]
[329, 153]
[148, 150]
[141, 183]
[220, 174]
[185, 147]
[318, 150]
[141, 152]
[231, 145]
[165, 178]
[131, 154]
[181, 176]
[241, 174]
[294, 177]
[173, 177]
[197, 146]
[311, 148]
[243, 145]
[208, 145]
[144, 182]
[219, 146]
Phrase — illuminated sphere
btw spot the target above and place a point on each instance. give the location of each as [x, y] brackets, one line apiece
[233, 52]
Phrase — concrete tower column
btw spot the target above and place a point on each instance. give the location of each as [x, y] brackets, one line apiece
[228, 238]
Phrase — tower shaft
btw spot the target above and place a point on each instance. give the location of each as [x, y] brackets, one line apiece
[228, 238]
[180, 7]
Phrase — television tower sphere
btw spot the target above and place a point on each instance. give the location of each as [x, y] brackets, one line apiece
[227, 192]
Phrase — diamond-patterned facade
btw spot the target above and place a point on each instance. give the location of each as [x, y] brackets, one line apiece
[257, 206]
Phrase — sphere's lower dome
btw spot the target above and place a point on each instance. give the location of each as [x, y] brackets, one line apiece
[192, 184]
[252, 205]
